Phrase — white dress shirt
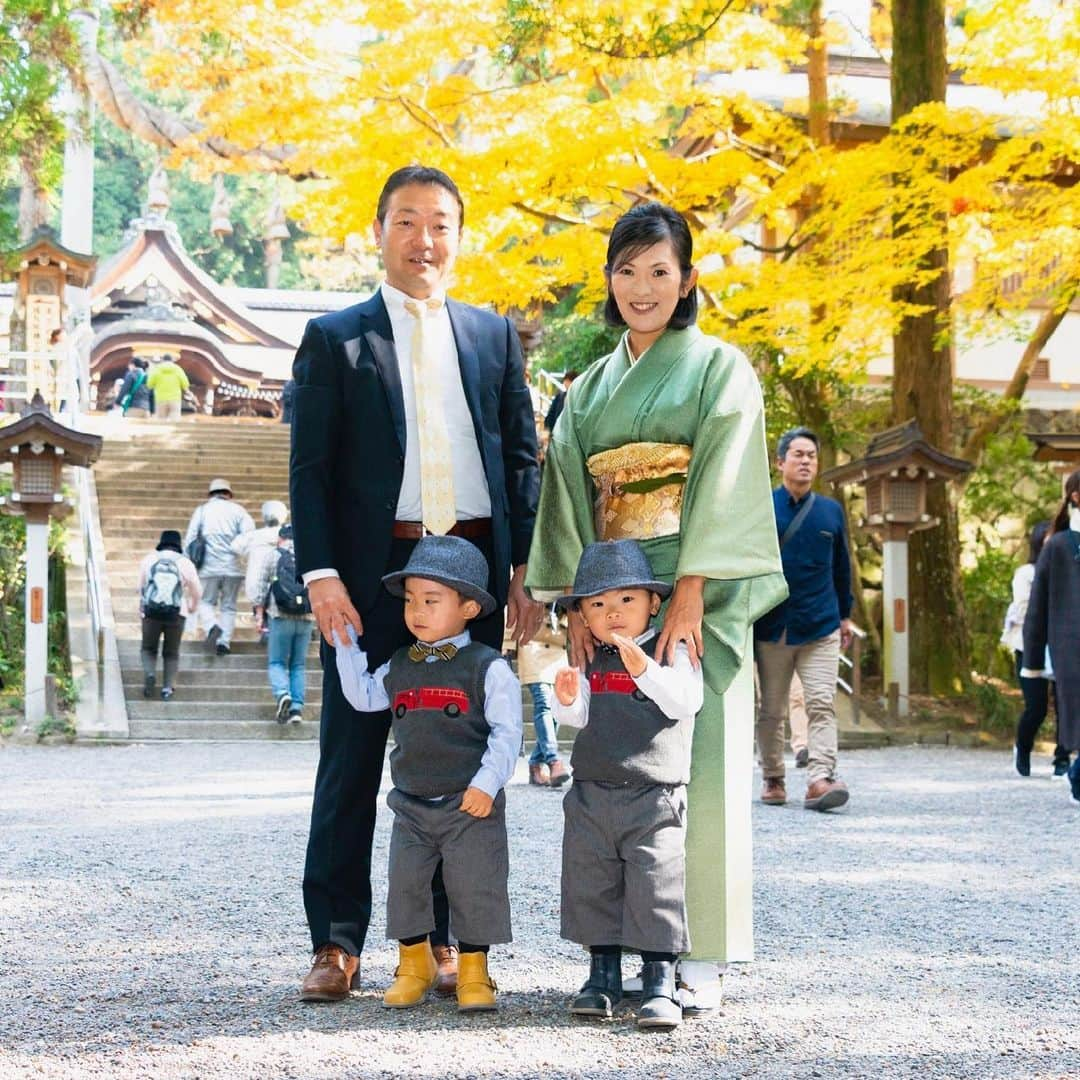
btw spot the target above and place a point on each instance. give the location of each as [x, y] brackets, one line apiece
[365, 691]
[678, 690]
[470, 483]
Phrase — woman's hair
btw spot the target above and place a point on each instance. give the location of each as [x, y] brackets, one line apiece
[1061, 520]
[1037, 539]
[637, 230]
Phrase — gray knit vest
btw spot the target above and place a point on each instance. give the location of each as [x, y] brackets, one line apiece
[628, 740]
[440, 733]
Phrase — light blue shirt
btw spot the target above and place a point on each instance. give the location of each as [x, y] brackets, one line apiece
[365, 691]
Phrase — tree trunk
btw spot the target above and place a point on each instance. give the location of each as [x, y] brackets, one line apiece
[33, 199]
[922, 386]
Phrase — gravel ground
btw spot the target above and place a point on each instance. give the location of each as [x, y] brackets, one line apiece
[151, 925]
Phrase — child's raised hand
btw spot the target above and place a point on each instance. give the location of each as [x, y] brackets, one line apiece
[632, 655]
[476, 802]
[567, 685]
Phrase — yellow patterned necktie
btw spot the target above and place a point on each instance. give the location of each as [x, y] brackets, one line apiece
[439, 509]
[421, 650]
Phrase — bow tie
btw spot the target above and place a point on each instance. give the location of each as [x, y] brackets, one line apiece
[421, 650]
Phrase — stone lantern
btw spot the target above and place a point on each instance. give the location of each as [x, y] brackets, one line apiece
[898, 466]
[39, 447]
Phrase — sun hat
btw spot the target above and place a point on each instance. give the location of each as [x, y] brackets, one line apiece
[451, 561]
[612, 564]
[170, 539]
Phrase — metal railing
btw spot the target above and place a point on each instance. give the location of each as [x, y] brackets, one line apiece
[851, 664]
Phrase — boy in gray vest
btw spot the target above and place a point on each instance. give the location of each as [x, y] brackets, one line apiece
[457, 731]
[624, 840]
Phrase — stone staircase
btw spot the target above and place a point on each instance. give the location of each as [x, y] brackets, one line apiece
[150, 477]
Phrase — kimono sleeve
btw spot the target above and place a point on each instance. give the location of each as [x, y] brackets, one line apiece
[728, 531]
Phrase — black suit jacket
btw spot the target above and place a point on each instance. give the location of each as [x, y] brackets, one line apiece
[348, 441]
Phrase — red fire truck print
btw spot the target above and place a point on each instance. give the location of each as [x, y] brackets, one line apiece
[452, 702]
[614, 682]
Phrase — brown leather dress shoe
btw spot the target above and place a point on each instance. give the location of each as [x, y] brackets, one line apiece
[334, 972]
[826, 794]
[773, 791]
[446, 956]
[558, 774]
[539, 775]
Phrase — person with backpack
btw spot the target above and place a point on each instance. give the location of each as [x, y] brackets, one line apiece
[134, 396]
[286, 606]
[169, 591]
[251, 546]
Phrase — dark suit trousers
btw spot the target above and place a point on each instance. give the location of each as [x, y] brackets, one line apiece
[337, 872]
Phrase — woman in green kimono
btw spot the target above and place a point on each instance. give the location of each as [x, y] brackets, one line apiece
[664, 441]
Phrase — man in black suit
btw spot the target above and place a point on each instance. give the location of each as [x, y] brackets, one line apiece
[362, 495]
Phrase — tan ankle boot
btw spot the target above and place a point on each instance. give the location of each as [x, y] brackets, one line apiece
[475, 988]
[415, 976]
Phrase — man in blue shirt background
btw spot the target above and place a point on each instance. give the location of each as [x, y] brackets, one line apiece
[806, 632]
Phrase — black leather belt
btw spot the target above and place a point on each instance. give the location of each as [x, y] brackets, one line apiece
[472, 529]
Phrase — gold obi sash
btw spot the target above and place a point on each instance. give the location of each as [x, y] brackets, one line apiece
[639, 489]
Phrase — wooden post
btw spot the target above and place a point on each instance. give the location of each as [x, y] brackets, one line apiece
[895, 617]
[37, 624]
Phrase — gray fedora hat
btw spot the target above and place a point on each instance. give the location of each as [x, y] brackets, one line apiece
[612, 564]
[450, 561]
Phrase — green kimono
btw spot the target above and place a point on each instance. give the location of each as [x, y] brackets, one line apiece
[691, 389]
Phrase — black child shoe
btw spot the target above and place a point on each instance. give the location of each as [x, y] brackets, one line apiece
[660, 1009]
[603, 989]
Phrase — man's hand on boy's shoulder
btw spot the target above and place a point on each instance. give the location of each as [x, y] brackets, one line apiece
[476, 802]
[631, 654]
[567, 685]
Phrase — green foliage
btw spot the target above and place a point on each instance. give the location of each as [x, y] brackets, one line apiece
[37, 48]
[122, 166]
[56, 726]
[1003, 498]
[1009, 492]
[987, 592]
[12, 585]
[996, 712]
[573, 342]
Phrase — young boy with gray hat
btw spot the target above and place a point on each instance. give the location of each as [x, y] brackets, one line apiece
[457, 731]
[624, 839]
